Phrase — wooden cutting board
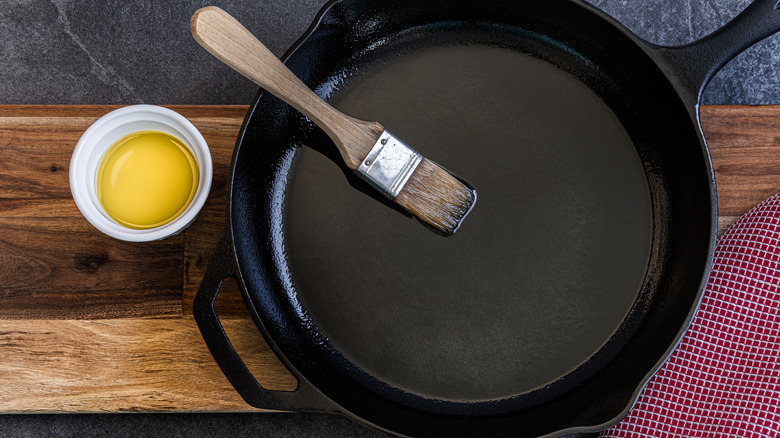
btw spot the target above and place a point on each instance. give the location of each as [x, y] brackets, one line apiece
[92, 324]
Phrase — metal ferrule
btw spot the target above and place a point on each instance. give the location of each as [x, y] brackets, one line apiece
[389, 164]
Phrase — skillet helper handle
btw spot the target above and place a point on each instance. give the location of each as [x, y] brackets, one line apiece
[304, 398]
[696, 63]
[228, 40]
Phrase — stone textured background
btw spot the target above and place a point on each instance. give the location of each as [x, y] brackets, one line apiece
[138, 51]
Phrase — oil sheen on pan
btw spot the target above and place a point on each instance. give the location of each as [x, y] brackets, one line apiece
[541, 273]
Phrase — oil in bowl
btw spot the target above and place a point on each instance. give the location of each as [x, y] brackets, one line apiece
[146, 179]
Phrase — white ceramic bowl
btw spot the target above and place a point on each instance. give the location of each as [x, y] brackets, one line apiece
[108, 130]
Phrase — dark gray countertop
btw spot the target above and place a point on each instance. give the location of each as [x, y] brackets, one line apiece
[137, 51]
[77, 52]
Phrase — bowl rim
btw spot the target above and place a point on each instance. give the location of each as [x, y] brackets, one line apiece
[102, 134]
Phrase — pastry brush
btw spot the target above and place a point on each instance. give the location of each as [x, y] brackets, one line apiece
[419, 185]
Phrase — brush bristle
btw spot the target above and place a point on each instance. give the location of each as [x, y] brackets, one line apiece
[436, 197]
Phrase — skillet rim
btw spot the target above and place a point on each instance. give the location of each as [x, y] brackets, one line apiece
[259, 320]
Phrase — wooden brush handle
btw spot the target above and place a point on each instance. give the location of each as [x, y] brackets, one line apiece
[224, 37]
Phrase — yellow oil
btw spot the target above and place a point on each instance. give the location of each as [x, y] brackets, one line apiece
[146, 179]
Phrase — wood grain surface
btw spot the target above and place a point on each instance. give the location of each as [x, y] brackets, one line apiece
[92, 324]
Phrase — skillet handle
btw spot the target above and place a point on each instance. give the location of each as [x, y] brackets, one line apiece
[304, 398]
[696, 63]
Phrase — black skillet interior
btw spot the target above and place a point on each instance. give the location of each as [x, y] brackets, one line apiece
[567, 284]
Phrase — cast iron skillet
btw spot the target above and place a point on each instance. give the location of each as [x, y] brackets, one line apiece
[323, 273]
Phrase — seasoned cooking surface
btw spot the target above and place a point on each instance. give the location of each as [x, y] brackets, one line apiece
[541, 273]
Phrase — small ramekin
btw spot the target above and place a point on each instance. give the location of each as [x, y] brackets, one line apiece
[106, 131]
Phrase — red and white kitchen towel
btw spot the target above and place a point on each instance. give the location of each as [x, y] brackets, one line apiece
[723, 380]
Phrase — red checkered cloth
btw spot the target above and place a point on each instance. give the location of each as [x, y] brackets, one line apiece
[723, 380]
